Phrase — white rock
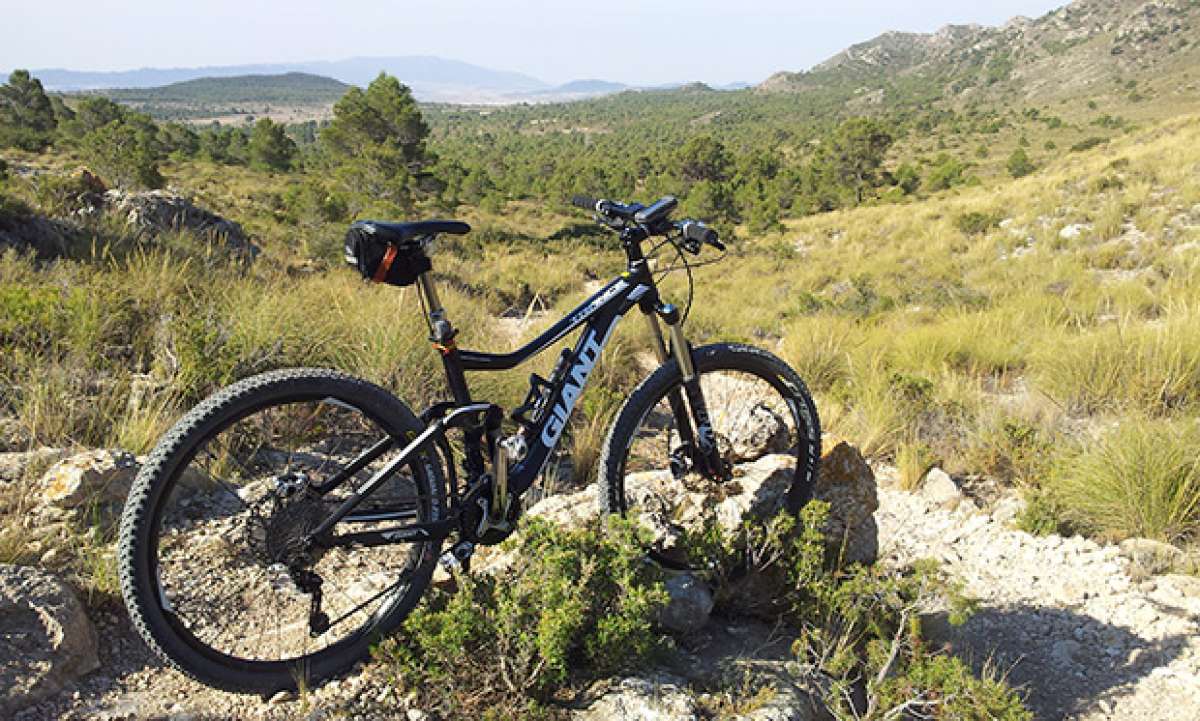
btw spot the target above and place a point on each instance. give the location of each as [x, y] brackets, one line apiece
[14, 464]
[100, 476]
[1150, 556]
[940, 489]
[662, 698]
[1074, 230]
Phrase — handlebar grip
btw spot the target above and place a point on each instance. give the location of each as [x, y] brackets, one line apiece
[701, 233]
[583, 201]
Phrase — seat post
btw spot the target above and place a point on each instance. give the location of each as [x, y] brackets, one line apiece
[442, 330]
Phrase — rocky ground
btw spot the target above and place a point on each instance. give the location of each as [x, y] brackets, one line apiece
[1088, 631]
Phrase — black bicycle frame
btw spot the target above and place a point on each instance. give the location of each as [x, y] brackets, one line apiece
[599, 315]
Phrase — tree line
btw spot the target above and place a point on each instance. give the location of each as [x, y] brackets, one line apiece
[747, 162]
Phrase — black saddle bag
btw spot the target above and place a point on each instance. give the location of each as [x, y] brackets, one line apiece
[384, 262]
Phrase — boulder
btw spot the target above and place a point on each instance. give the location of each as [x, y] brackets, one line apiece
[158, 211]
[45, 237]
[100, 476]
[1074, 230]
[104, 477]
[1150, 557]
[689, 602]
[939, 489]
[46, 638]
[847, 483]
[661, 698]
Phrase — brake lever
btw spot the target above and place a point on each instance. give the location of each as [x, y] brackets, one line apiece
[687, 244]
[610, 223]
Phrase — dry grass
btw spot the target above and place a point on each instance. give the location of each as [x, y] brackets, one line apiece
[920, 339]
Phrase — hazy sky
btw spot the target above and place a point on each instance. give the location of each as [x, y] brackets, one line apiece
[716, 41]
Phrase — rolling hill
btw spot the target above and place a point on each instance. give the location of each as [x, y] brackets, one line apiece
[291, 88]
[431, 78]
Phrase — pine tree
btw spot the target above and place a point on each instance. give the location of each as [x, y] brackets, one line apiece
[1019, 164]
[375, 145]
[270, 147]
[26, 115]
[856, 152]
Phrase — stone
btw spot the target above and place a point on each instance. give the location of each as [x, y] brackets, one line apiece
[689, 603]
[1008, 509]
[940, 489]
[1074, 230]
[660, 698]
[100, 476]
[158, 211]
[14, 464]
[847, 483]
[1150, 557]
[46, 638]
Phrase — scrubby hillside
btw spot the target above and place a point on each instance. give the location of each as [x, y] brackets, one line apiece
[1077, 51]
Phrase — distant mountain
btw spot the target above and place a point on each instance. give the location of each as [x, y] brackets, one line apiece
[287, 88]
[1081, 49]
[590, 87]
[431, 78]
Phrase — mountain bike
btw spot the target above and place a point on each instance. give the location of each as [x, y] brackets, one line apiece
[295, 518]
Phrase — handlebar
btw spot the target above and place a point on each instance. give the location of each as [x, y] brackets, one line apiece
[700, 233]
[693, 232]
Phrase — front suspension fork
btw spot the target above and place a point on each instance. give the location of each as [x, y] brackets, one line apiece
[688, 407]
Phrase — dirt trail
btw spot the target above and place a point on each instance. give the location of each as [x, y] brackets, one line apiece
[1085, 639]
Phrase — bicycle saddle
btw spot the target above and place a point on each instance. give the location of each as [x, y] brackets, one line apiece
[403, 233]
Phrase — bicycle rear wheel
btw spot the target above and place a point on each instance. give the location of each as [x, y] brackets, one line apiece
[212, 565]
[767, 431]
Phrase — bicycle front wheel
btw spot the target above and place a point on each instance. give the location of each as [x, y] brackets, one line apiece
[213, 564]
[767, 432]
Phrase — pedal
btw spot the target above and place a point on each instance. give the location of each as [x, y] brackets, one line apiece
[458, 557]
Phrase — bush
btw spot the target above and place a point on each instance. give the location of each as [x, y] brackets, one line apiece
[948, 173]
[62, 195]
[1143, 479]
[976, 222]
[1087, 144]
[1019, 164]
[575, 606]
[125, 153]
[860, 631]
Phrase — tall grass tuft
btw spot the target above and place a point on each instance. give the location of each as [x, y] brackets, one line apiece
[1146, 368]
[1142, 479]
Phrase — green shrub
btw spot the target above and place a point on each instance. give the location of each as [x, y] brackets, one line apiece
[576, 605]
[62, 195]
[859, 625]
[1143, 479]
[1087, 144]
[1019, 164]
[976, 222]
[946, 685]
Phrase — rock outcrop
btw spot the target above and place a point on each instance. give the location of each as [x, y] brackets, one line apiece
[758, 489]
[100, 476]
[46, 638]
[158, 211]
